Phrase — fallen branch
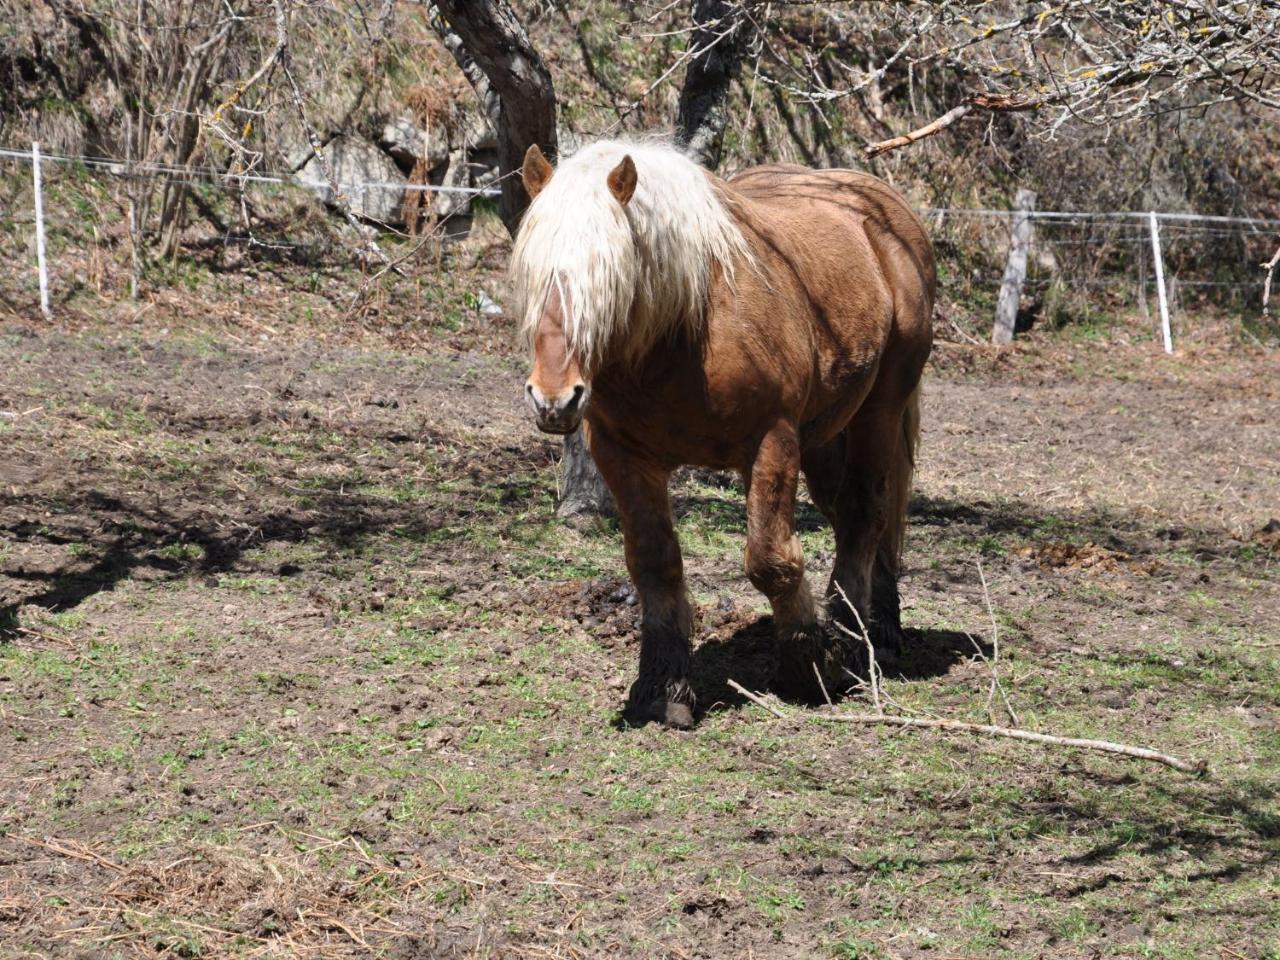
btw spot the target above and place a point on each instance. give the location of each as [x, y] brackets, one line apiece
[758, 700]
[1105, 746]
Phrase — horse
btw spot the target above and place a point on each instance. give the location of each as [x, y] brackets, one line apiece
[772, 324]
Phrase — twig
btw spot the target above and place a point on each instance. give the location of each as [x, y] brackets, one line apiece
[992, 103]
[68, 851]
[1106, 746]
[928, 130]
[996, 686]
[338, 925]
[960, 726]
[825, 696]
[757, 700]
[873, 667]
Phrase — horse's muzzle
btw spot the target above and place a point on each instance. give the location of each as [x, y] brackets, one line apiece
[561, 414]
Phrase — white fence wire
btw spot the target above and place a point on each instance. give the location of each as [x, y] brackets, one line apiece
[180, 174]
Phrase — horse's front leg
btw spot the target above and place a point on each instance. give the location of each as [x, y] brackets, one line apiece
[775, 565]
[661, 692]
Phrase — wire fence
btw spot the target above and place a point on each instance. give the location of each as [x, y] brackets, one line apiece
[1101, 261]
[1107, 253]
[193, 175]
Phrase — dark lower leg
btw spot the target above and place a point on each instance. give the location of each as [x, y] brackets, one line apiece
[661, 692]
[863, 592]
[852, 476]
[885, 607]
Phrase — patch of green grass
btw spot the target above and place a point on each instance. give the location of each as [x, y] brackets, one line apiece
[185, 552]
[1075, 925]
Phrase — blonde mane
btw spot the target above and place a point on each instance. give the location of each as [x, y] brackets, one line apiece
[629, 275]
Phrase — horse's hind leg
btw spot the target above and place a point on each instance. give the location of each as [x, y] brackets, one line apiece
[661, 692]
[775, 566]
[870, 510]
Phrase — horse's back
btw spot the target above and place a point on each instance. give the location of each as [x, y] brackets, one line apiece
[798, 197]
[860, 254]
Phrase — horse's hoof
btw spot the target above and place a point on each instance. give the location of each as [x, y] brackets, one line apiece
[799, 681]
[812, 667]
[678, 716]
[668, 702]
[669, 713]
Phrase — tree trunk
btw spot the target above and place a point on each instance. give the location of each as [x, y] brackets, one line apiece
[492, 39]
[514, 86]
[585, 494]
[721, 36]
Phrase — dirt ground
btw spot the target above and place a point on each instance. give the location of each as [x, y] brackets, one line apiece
[296, 661]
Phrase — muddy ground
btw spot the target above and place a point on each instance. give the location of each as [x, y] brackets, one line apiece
[296, 661]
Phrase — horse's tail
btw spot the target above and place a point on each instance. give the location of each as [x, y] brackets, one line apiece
[901, 467]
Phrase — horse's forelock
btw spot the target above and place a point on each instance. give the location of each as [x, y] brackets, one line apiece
[631, 275]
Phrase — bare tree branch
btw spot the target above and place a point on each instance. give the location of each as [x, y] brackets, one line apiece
[960, 726]
[282, 57]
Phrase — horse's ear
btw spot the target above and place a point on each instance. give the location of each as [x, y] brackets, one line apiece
[535, 172]
[622, 180]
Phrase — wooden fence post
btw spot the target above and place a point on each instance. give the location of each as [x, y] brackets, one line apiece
[1160, 291]
[1015, 270]
[40, 260]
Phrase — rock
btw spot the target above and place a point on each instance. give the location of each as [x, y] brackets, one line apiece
[408, 143]
[372, 183]
[486, 306]
[478, 132]
[484, 177]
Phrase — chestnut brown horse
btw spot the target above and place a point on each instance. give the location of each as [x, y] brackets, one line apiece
[769, 324]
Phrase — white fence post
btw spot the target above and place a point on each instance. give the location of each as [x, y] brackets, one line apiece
[1164, 299]
[1015, 270]
[44, 270]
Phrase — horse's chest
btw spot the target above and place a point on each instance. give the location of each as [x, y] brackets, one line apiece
[679, 422]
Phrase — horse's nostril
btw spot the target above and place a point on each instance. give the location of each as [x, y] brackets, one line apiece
[578, 391]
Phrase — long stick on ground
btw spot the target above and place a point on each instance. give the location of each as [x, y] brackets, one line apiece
[1105, 746]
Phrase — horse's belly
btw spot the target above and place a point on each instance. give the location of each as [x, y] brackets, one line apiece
[841, 382]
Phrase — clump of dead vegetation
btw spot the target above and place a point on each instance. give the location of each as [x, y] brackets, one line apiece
[293, 892]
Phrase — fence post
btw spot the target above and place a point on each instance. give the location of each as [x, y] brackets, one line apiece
[40, 261]
[1142, 285]
[1015, 270]
[1164, 299]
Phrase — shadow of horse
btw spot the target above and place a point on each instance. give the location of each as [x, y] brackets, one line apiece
[749, 657]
